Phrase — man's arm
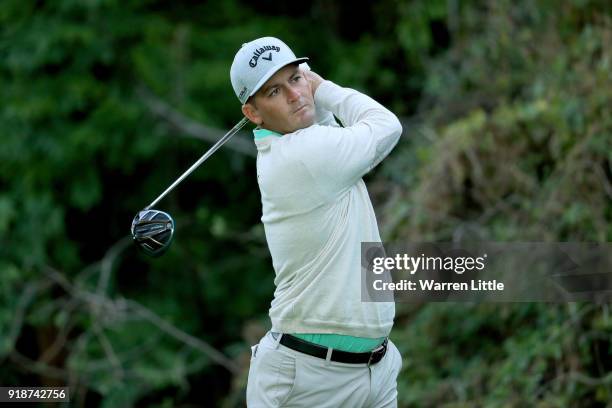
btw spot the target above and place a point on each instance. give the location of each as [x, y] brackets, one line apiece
[338, 157]
[323, 117]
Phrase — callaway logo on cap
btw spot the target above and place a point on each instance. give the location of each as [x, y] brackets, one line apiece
[256, 61]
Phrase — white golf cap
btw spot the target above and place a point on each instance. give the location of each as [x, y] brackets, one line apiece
[256, 61]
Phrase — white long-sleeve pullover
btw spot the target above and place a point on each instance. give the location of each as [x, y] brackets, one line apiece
[317, 211]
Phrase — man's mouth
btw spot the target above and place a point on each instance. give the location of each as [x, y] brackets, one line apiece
[300, 108]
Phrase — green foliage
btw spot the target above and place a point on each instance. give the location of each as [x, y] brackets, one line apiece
[82, 153]
[508, 139]
[499, 355]
[514, 144]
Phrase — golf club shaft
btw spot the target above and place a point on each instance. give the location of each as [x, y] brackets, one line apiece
[201, 160]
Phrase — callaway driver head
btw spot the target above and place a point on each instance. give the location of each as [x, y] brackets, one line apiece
[153, 231]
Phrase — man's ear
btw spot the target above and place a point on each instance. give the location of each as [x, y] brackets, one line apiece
[252, 113]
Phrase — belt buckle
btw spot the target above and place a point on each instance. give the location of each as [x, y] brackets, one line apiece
[380, 350]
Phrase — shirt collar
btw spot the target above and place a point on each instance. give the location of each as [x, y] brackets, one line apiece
[261, 133]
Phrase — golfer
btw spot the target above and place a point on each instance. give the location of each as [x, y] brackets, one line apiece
[326, 347]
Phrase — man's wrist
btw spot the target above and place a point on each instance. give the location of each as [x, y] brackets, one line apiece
[322, 94]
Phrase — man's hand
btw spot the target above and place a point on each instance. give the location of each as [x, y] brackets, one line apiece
[313, 79]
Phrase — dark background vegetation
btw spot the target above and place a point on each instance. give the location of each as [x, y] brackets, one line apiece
[507, 137]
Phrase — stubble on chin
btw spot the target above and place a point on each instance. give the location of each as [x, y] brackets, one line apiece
[308, 119]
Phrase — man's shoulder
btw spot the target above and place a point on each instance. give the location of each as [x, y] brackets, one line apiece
[308, 136]
[310, 130]
[296, 140]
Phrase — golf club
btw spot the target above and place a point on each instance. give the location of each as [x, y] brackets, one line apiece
[152, 229]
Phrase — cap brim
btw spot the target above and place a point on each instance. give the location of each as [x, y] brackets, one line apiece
[272, 72]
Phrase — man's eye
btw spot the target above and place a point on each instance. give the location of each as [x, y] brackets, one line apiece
[296, 78]
[274, 92]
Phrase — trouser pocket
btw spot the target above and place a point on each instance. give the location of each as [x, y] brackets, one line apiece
[272, 377]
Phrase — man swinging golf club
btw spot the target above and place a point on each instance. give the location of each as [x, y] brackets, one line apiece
[326, 348]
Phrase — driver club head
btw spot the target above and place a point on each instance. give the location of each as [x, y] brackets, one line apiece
[153, 231]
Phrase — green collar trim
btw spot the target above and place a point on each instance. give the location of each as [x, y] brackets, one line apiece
[261, 133]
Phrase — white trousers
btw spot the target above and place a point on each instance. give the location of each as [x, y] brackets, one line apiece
[281, 377]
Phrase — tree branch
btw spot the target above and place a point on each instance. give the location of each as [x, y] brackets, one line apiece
[106, 264]
[186, 338]
[119, 306]
[31, 290]
[192, 128]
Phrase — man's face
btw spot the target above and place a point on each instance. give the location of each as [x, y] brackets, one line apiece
[284, 103]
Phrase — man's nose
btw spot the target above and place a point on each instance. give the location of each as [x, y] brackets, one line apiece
[292, 94]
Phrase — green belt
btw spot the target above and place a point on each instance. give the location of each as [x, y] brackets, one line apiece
[341, 342]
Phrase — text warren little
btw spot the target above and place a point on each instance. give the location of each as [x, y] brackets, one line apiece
[432, 285]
